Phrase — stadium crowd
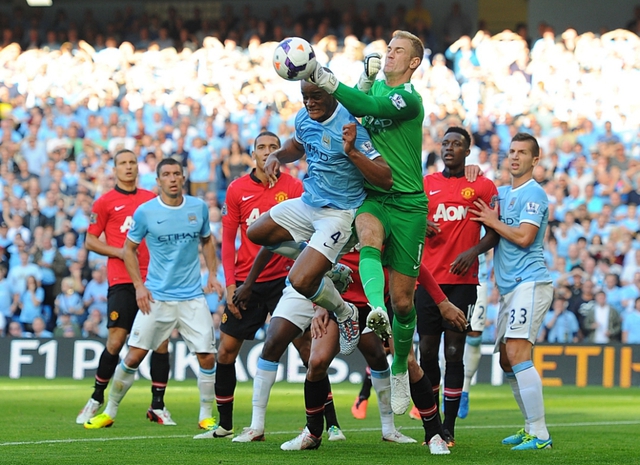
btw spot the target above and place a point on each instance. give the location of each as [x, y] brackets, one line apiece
[73, 94]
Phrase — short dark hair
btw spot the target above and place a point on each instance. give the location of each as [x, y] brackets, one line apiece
[463, 132]
[266, 134]
[166, 161]
[524, 137]
[115, 157]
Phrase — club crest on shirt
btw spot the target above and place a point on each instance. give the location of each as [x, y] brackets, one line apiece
[93, 219]
[511, 204]
[193, 219]
[326, 140]
[281, 196]
[532, 208]
[467, 193]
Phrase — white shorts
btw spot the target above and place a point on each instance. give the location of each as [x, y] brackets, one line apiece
[522, 312]
[191, 317]
[294, 307]
[478, 316]
[328, 230]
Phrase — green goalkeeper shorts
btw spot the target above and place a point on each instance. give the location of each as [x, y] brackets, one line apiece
[404, 218]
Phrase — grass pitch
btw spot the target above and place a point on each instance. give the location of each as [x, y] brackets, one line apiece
[588, 426]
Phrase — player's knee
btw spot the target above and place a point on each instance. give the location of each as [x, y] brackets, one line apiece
[206, 361]
[318, 367]
[272, 350]
[453, 353]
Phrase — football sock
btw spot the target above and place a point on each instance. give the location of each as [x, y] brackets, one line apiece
[365, 391]
[453, 379]
[207, 388]
[262, 384]
[315, 395]
[432, 371]
[159, 378]
[122, 380]
[106, 368]
[225, 387]
[289, 249]
[531, 392]
[372, 276]
[330, 417]
[471, 360]
[327, 296]
[422, 396]
[403, 328]
[381, 381]
[513, 382]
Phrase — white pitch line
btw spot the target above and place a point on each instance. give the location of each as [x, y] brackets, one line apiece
[358, 430]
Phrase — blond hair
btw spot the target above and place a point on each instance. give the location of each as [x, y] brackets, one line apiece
[417, 48]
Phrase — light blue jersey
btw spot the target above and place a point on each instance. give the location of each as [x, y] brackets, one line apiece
[173, 235]
[513, 264]
[333, 180]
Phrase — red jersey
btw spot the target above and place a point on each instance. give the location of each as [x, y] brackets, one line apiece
[449, 201]
[247, 199]
[112, 214]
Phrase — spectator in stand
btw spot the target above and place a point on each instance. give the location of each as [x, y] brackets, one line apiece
[95, 294]
[631, 325]
[15, 330]
[30, 303]
[69, 302]
[39, 330]
[66, 327]
[602, 323]
[560, 326]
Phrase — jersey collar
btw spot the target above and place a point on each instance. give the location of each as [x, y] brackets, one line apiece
[122, 191]
[447, 174]
[255, 178]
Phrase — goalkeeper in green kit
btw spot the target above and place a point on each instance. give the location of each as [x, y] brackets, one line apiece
[391, 225]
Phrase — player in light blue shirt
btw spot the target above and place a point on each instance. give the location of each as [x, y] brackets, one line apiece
[174, 226]
[525, 286]
[340, 157]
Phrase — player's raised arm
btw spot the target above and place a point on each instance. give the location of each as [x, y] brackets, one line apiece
[376, 171]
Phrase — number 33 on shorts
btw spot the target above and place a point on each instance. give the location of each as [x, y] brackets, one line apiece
[517, 317]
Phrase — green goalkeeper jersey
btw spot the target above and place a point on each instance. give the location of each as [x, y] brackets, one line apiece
[393, 117]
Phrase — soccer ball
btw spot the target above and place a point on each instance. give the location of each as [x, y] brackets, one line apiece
[294, 59]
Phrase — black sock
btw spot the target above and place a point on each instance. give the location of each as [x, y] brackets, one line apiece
[315, 395]
[422, 396]
[225, 387]
[159, 378]
[365, 392]
[106, 367]
[432, 371]
[330, 412]
[453, 380]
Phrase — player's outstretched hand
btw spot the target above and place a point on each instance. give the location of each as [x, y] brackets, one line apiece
[471, 172]
[241, 296]
[463, 262]
[324, 78]
[319, 323]
[432, 228]
[143, 299]
[213, 285]
[452, 315]
[271, 169]
[484, 213]
[372, 64]
[348, 137]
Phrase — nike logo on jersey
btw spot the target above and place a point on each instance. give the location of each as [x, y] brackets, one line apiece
[119, 208]
[325, 244]
[160, 222]
[415, 267]
[247, 197]
[434, 192]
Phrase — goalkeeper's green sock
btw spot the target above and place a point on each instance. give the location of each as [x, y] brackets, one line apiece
[403, 329]
[372, 276]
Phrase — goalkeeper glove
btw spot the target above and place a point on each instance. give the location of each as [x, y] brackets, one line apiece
[372, 64]
[324, 78]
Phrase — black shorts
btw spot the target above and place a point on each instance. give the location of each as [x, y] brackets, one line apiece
[263, 301]
[430, 322]
[122, 306]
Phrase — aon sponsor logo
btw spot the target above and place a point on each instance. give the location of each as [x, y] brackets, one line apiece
[444, 213]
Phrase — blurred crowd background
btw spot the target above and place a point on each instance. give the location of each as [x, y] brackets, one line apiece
[73, 93]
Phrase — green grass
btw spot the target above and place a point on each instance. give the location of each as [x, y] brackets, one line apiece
[588, 426]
